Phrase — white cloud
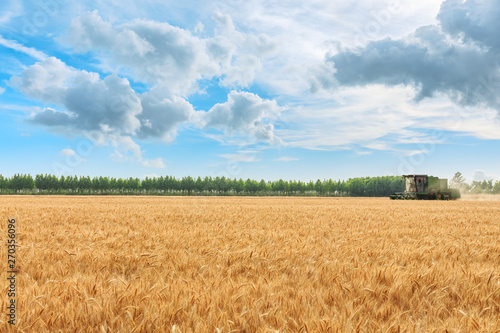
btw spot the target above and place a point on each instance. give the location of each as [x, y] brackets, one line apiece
[364, 153]
[21, 48]
[156, 163]
[480, 175]
[241, 157]
[154, 52]
[162, 114]
[248, 151]
[2, 90]
[244, 114]
[68, 152]
[286, 159]
[48, 80]
[125, 145]
[109, 108]
[168, 58]
[199, 27]
[382, 118]
[247, 51]
[160, 54]
[365, 116]
[276, 46]
[408, 153]
[304, 31]
[109, 105]
[456, 57]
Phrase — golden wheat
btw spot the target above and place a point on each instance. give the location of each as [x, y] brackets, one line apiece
[200, 264]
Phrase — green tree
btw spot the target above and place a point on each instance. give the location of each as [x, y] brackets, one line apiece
[85, 184]
[318, 187]
[279, 186]
[112, 184]
[120, 185]
[147, 184]
[62, 183]
[187, 184]
[238, 185]
[457, 181]
[198, 186]
[263, 186]
[41, 182]
[21, 182]
[356, 187]
[310, 186]
[133, 184]
[3, 183]
[73, 181]
[104, 184]
[330, 187]
[95, 184]
[301, 187]
[496, 188]
[208, 184]
[251, 186]
[292, 187]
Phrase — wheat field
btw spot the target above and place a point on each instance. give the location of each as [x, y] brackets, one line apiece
[226, 264]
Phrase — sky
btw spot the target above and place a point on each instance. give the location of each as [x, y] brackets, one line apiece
[294, 90]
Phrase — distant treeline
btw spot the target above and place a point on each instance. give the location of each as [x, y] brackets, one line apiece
[476, 186]
[49, 184]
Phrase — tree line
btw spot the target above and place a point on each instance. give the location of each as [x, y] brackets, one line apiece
[169, 185]
[476, 186]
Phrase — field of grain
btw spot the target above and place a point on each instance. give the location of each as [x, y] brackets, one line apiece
[201, 264]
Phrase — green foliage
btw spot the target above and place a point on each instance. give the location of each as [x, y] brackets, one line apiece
[457, 181]
[496, 188]
[21, 182]
[169, 185]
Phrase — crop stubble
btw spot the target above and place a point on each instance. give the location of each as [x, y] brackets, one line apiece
[221, 264]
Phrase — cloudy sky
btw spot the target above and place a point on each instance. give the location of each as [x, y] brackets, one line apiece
[250, 89]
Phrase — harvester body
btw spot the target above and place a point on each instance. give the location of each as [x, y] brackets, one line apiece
[423, 187]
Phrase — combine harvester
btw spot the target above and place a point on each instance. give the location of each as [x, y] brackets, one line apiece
[423, 187]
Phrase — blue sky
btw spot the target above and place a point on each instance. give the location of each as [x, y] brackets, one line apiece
[250, 89]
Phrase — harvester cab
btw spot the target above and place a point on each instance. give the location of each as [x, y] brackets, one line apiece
[423, 187]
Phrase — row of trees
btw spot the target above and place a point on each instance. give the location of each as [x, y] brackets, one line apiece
[48, 184]
[475, 187]
[367, 187]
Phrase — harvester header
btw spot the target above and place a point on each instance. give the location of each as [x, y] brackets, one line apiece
[424, 187]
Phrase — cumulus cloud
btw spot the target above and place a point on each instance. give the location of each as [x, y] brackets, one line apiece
[171, 61]
[240, 53]
[476, 21]
[47, 80]
[159, 53]
[107, 111]
[153, 51]
[458, 58]
[244, 114]
[126, 149]
[156, 163]
[68, 152]
[109, 105]
[161, 114]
